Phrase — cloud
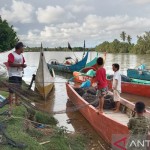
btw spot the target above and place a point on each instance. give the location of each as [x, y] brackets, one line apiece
[80, 8]
[50, 14]
[141, 1]
[94, 29]
[18, 12]
[16, 29]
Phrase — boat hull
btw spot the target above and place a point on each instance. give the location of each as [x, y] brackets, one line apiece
[133, 88]
[126, 87]
[104, 126]
[138, 74]
[44, 90]
[69, 68]
[44, 82]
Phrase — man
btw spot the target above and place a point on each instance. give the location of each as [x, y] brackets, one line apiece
[102, 88]
[139, 127]
[16, 63]
[116, 86]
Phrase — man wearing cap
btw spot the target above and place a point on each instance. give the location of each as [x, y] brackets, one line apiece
[16, 63]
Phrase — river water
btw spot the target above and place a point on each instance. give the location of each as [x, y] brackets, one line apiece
[58, 99]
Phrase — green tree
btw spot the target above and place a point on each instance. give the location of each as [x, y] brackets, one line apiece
[103, 47]
[129, 39]
[123, 36]
[8, 37]
[143, 44]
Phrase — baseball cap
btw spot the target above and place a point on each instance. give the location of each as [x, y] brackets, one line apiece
[19, 45]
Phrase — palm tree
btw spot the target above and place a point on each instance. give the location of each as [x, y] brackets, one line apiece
[129, 39]
[123, 36]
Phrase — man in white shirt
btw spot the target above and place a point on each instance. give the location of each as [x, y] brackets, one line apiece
[116, 86]
[16, 63]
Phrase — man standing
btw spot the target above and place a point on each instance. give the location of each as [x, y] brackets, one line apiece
[16, 63]
[102, 87]
[116, 85]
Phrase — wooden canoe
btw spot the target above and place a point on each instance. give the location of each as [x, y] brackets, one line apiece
[105, 124]
[69, 68]
[136, 87]
[43, 80]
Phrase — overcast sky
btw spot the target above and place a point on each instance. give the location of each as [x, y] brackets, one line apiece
[56, 22]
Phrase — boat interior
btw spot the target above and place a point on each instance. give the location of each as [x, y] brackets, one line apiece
[123, 116]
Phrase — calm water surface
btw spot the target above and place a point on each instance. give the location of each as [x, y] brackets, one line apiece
[58, 99]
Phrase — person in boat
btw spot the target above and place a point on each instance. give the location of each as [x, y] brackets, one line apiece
[116, 86]
[16, 63]
[139, 127]
[102, 87]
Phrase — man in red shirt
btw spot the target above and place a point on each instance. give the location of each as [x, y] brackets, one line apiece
[16, 63]
[102, 88]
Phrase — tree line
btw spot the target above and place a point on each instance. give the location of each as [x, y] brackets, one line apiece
[125, 46]
[8, 39]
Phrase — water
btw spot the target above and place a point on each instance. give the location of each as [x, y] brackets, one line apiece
[58, 99]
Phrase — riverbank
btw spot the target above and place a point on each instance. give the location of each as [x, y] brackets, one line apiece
[35, 130]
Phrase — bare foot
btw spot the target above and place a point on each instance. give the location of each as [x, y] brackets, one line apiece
[115, 111]
[99, 111]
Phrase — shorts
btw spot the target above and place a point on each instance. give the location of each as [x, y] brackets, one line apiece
[102, 92]
[116, 95]
[17, 82]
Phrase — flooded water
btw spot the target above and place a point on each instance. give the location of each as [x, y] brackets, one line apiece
[58, 99]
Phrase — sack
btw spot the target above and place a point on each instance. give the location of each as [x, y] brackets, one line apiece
[86, 84]
[109, 102]
[3, 101]
[91, 73]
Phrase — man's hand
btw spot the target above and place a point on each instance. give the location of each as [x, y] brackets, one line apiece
[23, 65]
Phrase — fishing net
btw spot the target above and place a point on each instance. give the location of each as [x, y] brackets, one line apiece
[29, 96]
[89, 94]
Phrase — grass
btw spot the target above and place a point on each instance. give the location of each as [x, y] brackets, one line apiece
[22, 131]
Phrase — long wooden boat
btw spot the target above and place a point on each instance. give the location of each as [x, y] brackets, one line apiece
[139, 74]
[108, 123]
[92, 63]
[135, 86]
[43, 80]
[68, 68]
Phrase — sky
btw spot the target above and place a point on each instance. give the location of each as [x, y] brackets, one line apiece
[57, 22]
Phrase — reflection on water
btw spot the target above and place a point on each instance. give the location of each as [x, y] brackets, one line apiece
[58, 98]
